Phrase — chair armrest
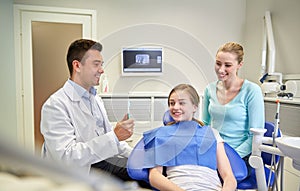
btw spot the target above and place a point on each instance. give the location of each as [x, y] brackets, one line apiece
[238, 165]
[257, 140]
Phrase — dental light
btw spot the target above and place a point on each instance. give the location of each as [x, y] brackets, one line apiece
[269, 50]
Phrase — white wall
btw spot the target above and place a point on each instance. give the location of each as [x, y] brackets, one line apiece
[185, 30]
[189, 31]
[286, 27]
[7, 72]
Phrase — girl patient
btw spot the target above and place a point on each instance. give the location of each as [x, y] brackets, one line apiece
[185, 155]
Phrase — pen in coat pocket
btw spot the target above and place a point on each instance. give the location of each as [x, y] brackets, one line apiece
[96, 132]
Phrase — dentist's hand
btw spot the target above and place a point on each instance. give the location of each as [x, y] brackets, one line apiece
[124, 128]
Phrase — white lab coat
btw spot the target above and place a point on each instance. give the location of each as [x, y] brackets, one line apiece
[71, 134]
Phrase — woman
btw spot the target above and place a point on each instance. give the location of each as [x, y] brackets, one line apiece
[191, 153]
[233, 105]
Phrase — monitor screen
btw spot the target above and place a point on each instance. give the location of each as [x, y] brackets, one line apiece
[142, 61]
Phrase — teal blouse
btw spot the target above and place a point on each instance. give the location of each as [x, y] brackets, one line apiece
[234, 119]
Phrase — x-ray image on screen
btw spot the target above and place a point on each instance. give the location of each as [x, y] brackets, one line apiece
[141, 61]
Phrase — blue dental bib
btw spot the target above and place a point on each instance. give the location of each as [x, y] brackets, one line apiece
[182, 143]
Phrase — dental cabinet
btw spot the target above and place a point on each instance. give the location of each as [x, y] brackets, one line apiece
[289, 114]
[146, 109]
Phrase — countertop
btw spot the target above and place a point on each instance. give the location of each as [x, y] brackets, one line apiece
[295, 101]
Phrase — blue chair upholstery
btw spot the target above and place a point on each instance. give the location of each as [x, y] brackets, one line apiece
[134, 166]
[237, 164]
[250, 182]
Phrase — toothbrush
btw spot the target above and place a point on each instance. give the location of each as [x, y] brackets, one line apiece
[128, 108]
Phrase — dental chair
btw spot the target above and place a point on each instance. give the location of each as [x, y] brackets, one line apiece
[262, 161]
[266, 160]
[136, 159]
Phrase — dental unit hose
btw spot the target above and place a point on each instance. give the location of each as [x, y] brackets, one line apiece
[274, 136]
[277, 121]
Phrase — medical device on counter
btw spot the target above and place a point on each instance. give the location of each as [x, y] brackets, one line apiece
[276, 87]
[104, 84]
[268, 41]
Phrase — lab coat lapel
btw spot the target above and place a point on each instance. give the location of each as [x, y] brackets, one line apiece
[107, 125]
[74, 97]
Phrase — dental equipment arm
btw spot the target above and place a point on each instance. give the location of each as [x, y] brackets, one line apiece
[256, 160]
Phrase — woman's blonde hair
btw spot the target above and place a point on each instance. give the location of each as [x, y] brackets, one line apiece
[233, 47]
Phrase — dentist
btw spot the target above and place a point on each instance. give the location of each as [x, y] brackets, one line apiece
[74, 122]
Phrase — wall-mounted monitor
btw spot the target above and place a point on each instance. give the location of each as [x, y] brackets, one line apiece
[142, 61]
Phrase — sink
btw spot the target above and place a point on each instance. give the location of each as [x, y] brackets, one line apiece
[290, 147]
